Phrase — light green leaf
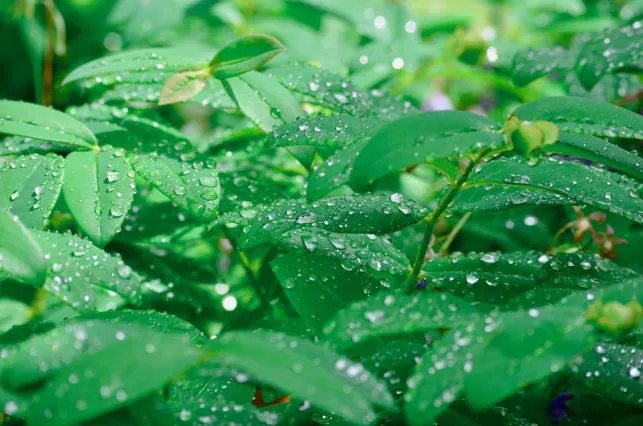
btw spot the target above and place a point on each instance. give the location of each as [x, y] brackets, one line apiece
[99, 190]
[244, 54]
[581, 115]
[305, 369]
[353, 214]
[183, 85]
[30, 187]
[317, 287]
[423, 137]
[38, 122]
[600, 151]
[20, 256]
[583, 184]
[84, 276]
[387, 314]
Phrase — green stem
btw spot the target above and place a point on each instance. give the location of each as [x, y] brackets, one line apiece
[245, 262]
[454, 233]
[432, 219]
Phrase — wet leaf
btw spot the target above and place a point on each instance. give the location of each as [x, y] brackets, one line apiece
[20, 256]
[244, 54]
[183, 85]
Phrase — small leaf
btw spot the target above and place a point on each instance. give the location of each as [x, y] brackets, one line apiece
[305, 369]
[423, 137]
[30, 187]
[20, 256]
[353, 214]
[84, 276]
[183, 85]
[580, 115]
[317, 287]
[387, 314]
[38, 122]
[244, 54]
[99, 189]
[534, 64]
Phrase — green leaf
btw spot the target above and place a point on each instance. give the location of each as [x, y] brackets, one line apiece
[352, 214]
[38, 122]
[600, 151]
[423, 137]
[74, 395]
[613, 370]
[99, 190]
[494, 196]
[335, 171]
[583, 184]
[323, 131]
[531, 65]
[528, 347]
[244, 54]
[495, 277]
[247, 188]
[30, 187]
[20, 256]
[366, 253]
[183, 85]
[84, 276]
[307, 370]
[13, 313]
[610, 51]
[317, 287]
[586, 116]
[388, 314]
[61, 347]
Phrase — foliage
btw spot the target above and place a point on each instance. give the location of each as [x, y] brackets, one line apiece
[294, 212]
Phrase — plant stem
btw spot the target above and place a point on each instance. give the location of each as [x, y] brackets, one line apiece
[454, 233]
[433, 218]
[245, 262]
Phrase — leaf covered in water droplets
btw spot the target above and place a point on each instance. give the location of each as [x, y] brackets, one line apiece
[533, 64]
[20, 256]
[353, 214]
[307, 370]
[99, 189]
[38, 122]
[30, 186]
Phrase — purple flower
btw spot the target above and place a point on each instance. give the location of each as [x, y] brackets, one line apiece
[421, 285]
[558, 407]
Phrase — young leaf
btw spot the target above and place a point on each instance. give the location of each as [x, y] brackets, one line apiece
[38, 122]
[99, 189]
[302, 368]
[244, 54]
[352, 214]
[529, 347]
[423, 137]
[30, 187]
[183, 85]
[20, 256]
[392, 314]
[587, 116]
[75, 395]
[84, 276]
[317, 287]
[575, 181]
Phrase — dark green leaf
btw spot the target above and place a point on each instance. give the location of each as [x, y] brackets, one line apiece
[533, 64]
[99, 189]
[245, 54]
[30, 187]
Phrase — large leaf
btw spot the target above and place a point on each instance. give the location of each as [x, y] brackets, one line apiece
[245, 54]
[600, 151]
[353, 214]
[417, 138]
[38, 122]
[366, 253]
[317, 287]
[610, 51]
[84, 276]
[74, 395]
[20, 256]
[496, 278]
[580, 115]
[565, 180]
[99, 189]
[306, 370]
[30, 186]
[393, 314]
